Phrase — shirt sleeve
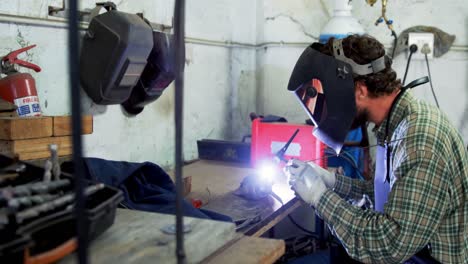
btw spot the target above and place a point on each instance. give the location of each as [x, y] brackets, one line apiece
[349, 188]
[413, 212]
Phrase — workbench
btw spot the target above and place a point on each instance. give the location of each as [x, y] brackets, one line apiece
[214, 183]
[137, 237]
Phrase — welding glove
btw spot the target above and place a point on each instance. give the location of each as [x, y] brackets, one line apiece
[328, 177]
[305, 181]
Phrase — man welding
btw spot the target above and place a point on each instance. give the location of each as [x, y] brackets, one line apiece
[424, 218]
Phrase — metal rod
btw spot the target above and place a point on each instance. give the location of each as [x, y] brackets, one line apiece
[179, 34]
[62, 23]
[73, 64]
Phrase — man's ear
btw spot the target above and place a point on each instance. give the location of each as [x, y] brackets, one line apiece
[361, 90]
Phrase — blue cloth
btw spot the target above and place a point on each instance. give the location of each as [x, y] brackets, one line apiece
[320, 257]
[145, 186]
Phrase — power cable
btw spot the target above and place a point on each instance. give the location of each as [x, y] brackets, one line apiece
[430, 80]
[395, 38]
[413, 48]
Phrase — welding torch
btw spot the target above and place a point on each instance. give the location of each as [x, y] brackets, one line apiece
[279, 156]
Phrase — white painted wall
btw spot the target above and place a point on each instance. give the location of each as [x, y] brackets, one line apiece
[300, 21]
[219, 82]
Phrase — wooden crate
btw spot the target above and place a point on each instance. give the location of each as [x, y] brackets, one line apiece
[28, 149]
[13, 128]
[62, 125]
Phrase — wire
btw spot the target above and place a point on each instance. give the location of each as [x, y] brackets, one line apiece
[395, 38]
[274, 195]
[430, 80]
[413, 48]
[371, 146]
[349, 158]
[301, 227]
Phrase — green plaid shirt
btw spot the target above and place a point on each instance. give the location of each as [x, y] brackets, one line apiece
[428, 199]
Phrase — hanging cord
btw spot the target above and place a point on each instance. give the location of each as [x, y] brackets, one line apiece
[413, 48]
[349, 151]
[314, 234]
[395, 39]
[75, 97]
[179, 35]
[425, 49]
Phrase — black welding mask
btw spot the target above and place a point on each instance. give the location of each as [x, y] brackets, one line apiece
[114, 51]
[157, 75]
[324, 86]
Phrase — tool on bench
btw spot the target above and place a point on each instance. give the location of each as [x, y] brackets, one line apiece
[56, 203]
[259, 185]
[279, 156]
[17, 87]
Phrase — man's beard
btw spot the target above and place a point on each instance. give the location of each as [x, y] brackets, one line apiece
[360, 119]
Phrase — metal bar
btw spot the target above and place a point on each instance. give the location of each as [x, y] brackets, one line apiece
[179, 34]
[73, 64]
[62, 23]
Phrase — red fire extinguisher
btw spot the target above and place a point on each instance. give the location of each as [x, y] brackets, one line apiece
[17, 87]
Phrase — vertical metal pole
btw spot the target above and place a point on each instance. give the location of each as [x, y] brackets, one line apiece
[73, 61]
[179, 32]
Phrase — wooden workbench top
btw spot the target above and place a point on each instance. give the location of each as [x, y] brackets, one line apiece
[214, 183]
[136, 237]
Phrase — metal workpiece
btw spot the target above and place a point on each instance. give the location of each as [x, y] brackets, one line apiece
[47, 171]
[13, 168]
[28, 201]
[32, 188]
[55, 203]
[53, 148]
[11, 172]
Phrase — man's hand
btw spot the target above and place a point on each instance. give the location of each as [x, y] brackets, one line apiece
[305, 182]
[328, 177]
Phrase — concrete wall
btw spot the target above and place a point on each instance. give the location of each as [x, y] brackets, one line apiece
[300, 21]
[219, 81]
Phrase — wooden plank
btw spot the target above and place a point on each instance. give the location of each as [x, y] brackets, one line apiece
[12, 128]
[28, 149]
[249, 250]
[62, 125]
[136, 237]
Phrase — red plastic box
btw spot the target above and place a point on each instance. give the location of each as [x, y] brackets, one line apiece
[268, 138]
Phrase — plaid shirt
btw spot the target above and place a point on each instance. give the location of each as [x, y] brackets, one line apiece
[428, 199]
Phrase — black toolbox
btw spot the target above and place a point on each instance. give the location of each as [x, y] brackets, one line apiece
[50, 236]
[223, 150]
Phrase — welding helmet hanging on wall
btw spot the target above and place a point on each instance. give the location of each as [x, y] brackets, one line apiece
[115, 48]
[157, 75]
[324, 86]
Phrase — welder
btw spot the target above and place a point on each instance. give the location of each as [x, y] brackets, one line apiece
[424, 216]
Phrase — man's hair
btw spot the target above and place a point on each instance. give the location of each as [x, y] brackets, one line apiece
[362, 50]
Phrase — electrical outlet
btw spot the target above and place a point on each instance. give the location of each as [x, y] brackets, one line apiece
[420, 39]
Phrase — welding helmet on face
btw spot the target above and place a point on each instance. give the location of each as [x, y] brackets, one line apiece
[324, 86]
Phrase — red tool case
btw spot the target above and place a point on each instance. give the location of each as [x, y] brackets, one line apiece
[268, 138]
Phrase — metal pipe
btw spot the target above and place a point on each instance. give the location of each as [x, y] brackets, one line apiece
[62, 23]
[37, 21]
[179, 37]
[75, 98]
